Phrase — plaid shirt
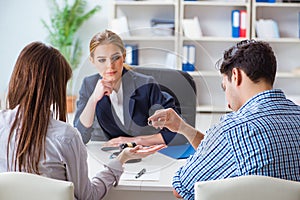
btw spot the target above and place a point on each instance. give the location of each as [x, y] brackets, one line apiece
[262, 138]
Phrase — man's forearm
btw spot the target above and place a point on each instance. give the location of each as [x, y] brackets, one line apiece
[194, 136]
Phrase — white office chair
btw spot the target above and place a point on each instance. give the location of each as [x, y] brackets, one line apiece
[26, 186]
[252, 187]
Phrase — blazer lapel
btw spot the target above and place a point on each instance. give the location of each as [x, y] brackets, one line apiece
[129, 93]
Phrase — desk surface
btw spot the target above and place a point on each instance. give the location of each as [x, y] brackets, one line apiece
[154, 163]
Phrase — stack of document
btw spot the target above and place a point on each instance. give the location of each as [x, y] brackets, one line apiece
[267, 28]
[162, 27]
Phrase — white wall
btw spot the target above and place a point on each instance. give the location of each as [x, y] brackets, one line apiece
[20, 24]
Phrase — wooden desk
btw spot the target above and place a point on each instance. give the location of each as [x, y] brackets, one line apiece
[137, 189]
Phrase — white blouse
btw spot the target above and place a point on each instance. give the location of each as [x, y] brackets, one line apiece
[116, 99]
[66, 158]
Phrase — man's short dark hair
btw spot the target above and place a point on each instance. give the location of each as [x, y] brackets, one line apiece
[255, 58]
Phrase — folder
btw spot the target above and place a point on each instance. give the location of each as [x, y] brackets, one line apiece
[191, 28]
[178, 151]
[189, 56]
[185, 58]
[299, 24]
[170, 61]
[243, 18]
[267, 28]
[131, 54]
[235, 23]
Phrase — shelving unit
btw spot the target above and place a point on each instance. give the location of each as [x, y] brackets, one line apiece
[215, 22]
[153, 49]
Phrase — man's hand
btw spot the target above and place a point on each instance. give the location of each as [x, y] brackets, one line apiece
[166, 118]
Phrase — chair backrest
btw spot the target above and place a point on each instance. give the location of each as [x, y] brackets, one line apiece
[180, 85]
[252, 187]
[26, 186]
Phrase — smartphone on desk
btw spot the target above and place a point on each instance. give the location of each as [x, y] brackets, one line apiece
[115, 154]
[107, 148]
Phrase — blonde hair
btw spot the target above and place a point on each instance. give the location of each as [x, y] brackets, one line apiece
[108, 37]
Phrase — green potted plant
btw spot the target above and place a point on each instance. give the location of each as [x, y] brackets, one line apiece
[65, 20]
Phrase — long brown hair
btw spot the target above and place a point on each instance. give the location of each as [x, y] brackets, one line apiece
[37, 85]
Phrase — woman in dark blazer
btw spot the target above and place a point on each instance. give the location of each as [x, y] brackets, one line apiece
[121, 99]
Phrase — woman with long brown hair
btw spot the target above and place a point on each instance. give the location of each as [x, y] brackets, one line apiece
[34, 137]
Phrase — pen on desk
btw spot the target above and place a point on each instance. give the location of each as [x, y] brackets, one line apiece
[143, 171]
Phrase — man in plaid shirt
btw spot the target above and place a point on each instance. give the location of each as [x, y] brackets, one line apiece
[262, 134]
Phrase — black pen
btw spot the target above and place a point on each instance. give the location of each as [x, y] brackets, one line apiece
[143, 171]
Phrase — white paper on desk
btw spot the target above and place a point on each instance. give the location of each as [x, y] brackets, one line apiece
[148, 176]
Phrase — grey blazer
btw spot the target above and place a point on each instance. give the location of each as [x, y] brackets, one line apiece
[94, 132]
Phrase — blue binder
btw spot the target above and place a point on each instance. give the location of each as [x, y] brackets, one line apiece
[185, 58]
[189, 57]
[235, 23]
[132, 55]
[192, 58]
[299, 23]
[178, 151]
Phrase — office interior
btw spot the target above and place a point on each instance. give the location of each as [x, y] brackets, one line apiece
[19, 27]
[20, 24]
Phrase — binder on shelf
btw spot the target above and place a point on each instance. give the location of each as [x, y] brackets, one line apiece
[235, 23]
[266, 1]
[185, 57]
[170, 61]
[267, 28]
[243, 23]
[131, 54]
[189, 56]
[191, 28]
